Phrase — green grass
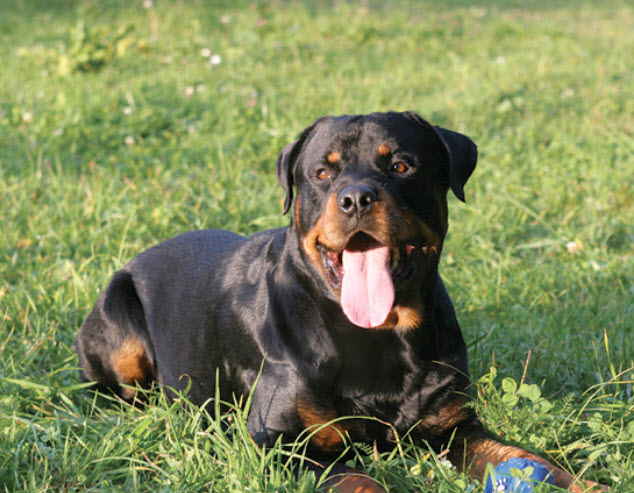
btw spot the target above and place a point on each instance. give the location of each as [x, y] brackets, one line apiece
[546, 89]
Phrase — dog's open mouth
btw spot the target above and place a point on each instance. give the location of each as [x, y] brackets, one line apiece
[365, 272]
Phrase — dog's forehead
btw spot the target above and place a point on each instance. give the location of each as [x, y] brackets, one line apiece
[364, 132]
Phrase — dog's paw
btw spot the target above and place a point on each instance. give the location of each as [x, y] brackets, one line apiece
[351, 483]
[588, 487]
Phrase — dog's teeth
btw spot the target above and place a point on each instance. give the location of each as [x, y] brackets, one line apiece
[396, 256]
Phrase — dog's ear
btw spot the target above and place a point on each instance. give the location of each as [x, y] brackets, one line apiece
[462, 154]
[284, 171]
[285, 166]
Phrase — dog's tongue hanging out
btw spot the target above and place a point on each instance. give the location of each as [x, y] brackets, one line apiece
[367, 291]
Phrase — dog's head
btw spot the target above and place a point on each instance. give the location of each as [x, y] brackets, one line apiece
[371, 208]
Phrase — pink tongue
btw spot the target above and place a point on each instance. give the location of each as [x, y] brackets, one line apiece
[367, 291]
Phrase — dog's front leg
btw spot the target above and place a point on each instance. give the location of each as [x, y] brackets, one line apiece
[456, 426]
[343, 479]
[481, 450]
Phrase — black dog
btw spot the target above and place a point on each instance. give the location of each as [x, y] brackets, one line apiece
[344, 306]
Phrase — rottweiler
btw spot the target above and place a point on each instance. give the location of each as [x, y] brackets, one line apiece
[342, 313]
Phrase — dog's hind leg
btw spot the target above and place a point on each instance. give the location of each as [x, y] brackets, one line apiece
[113, 343]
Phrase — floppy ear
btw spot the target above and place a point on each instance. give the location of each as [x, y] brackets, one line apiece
[286, 165]
[463, 155]
[284, 172]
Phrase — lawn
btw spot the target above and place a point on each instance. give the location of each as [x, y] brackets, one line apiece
[125, 123]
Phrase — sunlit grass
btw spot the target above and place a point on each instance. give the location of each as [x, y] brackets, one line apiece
[122, 124]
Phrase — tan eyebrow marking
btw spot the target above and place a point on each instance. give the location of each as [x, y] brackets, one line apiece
[333, 157]
[384, 150]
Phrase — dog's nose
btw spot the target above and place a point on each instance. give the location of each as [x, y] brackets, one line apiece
[356, 199]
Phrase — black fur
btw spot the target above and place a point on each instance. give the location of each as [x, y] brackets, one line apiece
[213, 301]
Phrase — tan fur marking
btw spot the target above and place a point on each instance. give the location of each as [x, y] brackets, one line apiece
[408, 317]
[352, 482]
[447, 417]
[384, 150]
[310, 242]
[297, 214]
[431, 250]
[326, 231]
[131, 365]
[333, 157]
[402, 317]
[327, 438]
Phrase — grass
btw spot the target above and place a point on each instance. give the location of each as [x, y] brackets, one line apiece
[117, 131]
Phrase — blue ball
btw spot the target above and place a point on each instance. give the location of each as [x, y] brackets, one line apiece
[505, 482]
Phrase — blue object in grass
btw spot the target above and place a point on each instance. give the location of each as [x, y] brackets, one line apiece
[503, 480]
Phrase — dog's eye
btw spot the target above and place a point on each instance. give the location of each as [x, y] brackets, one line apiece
[399, 167]
[323, 174]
